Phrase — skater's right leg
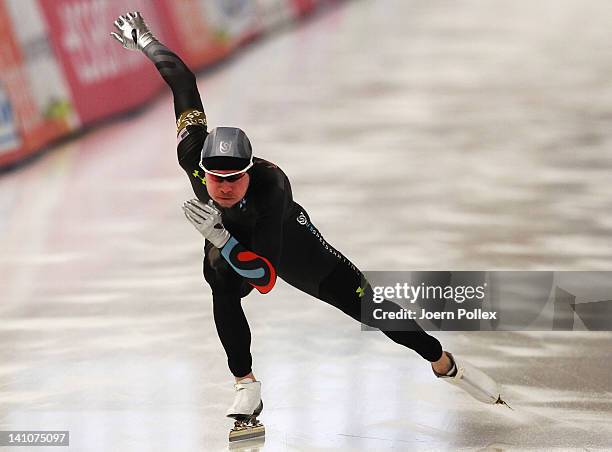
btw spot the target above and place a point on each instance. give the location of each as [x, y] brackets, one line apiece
[228, 288]
[232, 327]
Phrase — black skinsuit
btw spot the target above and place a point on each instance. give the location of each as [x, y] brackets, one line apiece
[271, 235]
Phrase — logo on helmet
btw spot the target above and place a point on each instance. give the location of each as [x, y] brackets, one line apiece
[225, 146]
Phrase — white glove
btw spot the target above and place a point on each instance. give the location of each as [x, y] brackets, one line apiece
[206, 218]
[134, 32]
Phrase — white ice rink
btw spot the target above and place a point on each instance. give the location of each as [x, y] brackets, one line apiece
[419, 135]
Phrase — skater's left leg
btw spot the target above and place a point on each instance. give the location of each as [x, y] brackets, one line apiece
[339, 290]
[310, 264]
[442, 366]
[313, 266]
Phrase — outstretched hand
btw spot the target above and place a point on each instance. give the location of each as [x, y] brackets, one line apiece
[134, 34]
[206, 218]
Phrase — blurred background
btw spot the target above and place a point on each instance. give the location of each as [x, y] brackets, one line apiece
[419, 135]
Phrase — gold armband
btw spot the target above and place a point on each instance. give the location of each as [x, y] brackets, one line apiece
[190, 118]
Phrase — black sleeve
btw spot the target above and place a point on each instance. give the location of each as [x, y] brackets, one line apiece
[178, 76]
[191, 127]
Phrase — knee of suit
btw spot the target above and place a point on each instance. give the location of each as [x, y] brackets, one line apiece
[221, 277]
[214, 261]
[341, 287]
[217, 270]
[341, 280]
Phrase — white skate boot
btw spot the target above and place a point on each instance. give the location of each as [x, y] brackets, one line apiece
[473, 381]
[245, 409]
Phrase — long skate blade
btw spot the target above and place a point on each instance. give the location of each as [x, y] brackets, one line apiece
[247, 445]
[244, 433]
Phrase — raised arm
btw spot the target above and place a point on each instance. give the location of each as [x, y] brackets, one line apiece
[134, 34]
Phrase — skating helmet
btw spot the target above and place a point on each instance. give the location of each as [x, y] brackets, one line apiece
[226, 148]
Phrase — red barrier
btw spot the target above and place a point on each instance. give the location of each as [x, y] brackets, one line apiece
[10, 86]
[303, 7]
[196, 43]
[208, 31]
[104, 78]
[29, 120]
[99, 78]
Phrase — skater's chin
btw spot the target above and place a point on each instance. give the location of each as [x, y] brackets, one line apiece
[226, 202]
